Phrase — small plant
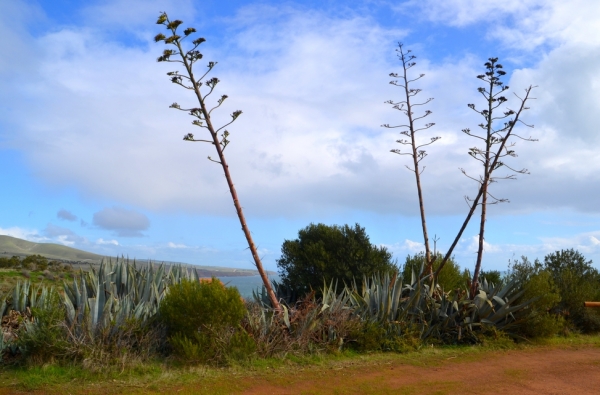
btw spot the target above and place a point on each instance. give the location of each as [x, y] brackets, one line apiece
[48, 275]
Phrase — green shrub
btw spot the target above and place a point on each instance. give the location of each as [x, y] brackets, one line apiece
[374, 336]
[44, 339]
[191, 306]
[577, 281]
[491, 276]
[539, 286]
[35, 262]
[324, 253]
[203, 322]
[219, 347]
[450, 278]
[13, 261]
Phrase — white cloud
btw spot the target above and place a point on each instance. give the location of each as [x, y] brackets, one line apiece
[66, 240]
[406, 247]
[413, 246]
[586, 243]
[524, 24]
[174, 245]
[312, 89]
[465, 12]
[487, 247]
[107, 242]
[21, 233]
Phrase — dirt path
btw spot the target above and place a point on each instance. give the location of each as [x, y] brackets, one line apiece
[559, 370]
[539, 371]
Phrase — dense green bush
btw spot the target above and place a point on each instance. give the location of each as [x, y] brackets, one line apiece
[577, 281]
[374, 336]
[45, 339]
[323, 253]
[6, 262]
[491, 276]
[35, 262]
[450, 278]
[203, 322]
[538, 286]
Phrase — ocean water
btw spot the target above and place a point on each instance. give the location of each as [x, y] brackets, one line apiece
[245, 284]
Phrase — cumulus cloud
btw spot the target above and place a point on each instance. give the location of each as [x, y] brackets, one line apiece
[21, 233]
[63, 235]
[66, 215]
[312, 88]
[522, 24]
[107, 242]
[406, 247]
[175, 245]
[125, 223]
[465, 12]
[487, 247]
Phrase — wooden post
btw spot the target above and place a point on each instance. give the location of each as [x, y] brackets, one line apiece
[591, 304]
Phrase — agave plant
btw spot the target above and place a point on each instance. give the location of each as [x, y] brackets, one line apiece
[107, 296]
[424, 305]
[309, 324]
[16, 312]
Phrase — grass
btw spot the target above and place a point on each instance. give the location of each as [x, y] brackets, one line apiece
[10, 277]
[164, 377]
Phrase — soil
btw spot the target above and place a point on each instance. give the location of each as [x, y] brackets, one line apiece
[538, 370]
[545, 371]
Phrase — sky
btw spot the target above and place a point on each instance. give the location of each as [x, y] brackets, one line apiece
[92, 156]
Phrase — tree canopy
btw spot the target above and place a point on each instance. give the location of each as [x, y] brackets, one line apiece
[323, 253]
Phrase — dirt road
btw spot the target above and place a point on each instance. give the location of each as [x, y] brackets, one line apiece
[537, 371]
[561, 370]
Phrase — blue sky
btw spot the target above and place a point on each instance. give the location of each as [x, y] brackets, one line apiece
[93, 158]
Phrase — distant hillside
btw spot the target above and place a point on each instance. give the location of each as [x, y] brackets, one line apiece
[10, 246]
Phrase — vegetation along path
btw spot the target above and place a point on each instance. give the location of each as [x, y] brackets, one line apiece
[532, 370]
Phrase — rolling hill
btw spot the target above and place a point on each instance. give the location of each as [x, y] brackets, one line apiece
[10, 246]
